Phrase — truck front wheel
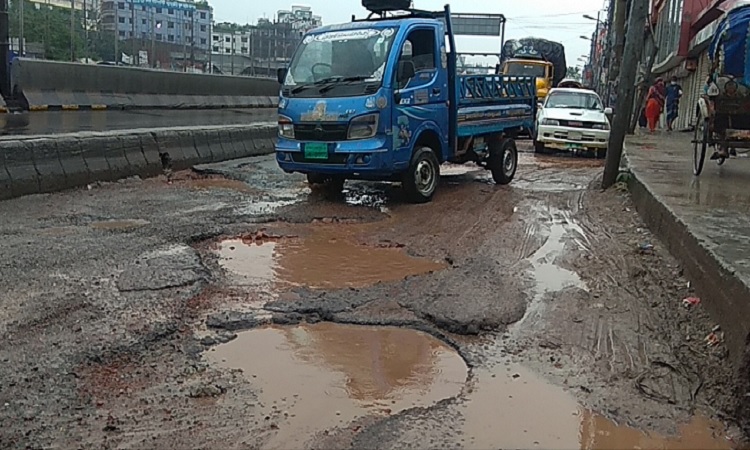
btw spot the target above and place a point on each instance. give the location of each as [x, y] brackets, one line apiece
[421, 179]
[503, 160]
[330, 182]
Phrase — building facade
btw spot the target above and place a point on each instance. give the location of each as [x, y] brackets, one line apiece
[259, 49]
[179, 23]
[684, 29]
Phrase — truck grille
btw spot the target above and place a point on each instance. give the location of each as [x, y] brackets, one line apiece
[314, 132]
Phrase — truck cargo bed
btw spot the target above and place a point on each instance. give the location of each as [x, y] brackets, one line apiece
[494, 103]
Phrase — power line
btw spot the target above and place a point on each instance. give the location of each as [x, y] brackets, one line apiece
[589, 11]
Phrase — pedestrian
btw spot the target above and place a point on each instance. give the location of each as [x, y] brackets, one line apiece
[674, 93]
[654, 104]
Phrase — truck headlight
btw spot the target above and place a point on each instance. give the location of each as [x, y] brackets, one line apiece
[364, 127]
[552, 122]
[286, 127]
[601, 126]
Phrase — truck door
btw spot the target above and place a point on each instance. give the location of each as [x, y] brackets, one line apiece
[421, 95]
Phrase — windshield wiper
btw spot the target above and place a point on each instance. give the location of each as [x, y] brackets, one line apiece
[302, 87]
[332, 84]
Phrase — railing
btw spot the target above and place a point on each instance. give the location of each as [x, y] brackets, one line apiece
[488, 88]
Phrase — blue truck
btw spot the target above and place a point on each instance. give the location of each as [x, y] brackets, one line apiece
[380, 99]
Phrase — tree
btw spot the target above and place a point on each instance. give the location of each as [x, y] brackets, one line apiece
[575, 73]
[47, 25]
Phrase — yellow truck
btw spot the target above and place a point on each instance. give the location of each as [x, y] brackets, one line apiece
[535, 57]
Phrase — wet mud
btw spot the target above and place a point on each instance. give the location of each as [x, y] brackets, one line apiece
[114, 225]
[583, 341]
[315, 377]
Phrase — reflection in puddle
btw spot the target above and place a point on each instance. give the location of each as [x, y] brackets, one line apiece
[549, 277]
[111, 225]
[326, 375]
[510, 407]
[328, 258]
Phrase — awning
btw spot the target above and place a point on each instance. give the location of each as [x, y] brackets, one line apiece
[708, 15]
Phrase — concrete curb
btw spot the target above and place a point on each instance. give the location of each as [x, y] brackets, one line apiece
[50, 163]
[48, 100]
[708, 273]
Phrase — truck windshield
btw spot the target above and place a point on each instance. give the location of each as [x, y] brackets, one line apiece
[526, 70]
[573, 100]
[340, 58]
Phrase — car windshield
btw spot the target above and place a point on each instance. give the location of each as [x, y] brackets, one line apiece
[573, 100]
[348, 55]
[525, 70]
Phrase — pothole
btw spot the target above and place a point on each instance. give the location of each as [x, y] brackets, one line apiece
[316, 377]
[329, 257]
[113, 225]
[511, 407]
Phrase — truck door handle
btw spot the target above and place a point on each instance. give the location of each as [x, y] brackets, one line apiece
[436, 91]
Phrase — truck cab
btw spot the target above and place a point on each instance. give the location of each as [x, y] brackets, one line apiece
[543, 71]
[380, 99]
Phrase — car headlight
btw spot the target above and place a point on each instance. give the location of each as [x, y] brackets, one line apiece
[552, 122]
[601, 126]
[286, 127]
[364, 127]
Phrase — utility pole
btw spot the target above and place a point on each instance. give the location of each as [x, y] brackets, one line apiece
[134, 58]
[625, 90]
[5, 88]
[192, 41]
[618, 28]
[21, 34]
[116, 32]
[85, 30]
[183, 25]
[72, 30]
[153, 37]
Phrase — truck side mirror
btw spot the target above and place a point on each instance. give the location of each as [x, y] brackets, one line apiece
[406, 71]
[608, 111]
[281, 74]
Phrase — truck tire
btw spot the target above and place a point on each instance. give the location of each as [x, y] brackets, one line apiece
[316, 178]
[331, 183]
[421, 179]
[503, 160]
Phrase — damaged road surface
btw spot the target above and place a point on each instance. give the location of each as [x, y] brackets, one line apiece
[234, 307]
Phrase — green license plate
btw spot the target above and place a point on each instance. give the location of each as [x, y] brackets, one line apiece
[316, 151]
[574, 146]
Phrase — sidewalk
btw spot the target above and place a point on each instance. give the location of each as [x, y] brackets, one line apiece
[705, 222]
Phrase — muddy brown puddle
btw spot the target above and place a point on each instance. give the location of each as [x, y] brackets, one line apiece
[328, 258]
[314, 378]
[318, 377]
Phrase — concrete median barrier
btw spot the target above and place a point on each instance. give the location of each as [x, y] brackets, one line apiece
[51, 85]
[43, 164]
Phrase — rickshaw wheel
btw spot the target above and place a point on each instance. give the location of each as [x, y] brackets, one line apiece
[700, 143]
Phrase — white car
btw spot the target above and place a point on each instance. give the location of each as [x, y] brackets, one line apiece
[574, 120]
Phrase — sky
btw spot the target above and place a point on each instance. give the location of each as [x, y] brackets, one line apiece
[557, 20]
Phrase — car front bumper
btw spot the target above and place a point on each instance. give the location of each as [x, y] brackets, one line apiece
[567, 138]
